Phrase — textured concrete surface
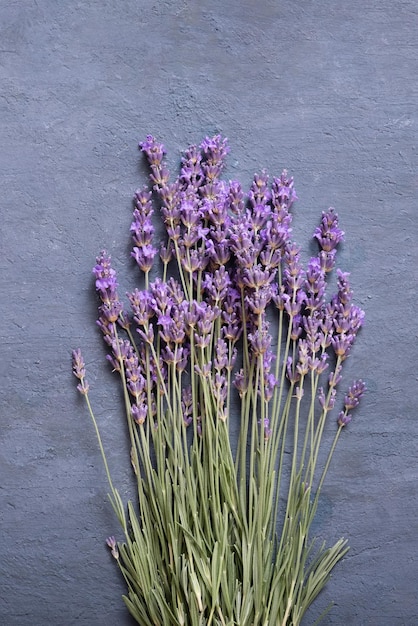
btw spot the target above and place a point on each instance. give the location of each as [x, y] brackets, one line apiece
[327, 89]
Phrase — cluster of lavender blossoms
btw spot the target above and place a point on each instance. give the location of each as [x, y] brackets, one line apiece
[233, 313]
[236, 259]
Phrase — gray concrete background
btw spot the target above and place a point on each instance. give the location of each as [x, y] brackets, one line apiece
[327, 89]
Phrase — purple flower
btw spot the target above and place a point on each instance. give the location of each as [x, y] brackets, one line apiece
[259, 340]
[327, 403]
[221, 355]
[343, 419]
[314, 284]
[141, 306]
[342, 344]
[214, 150]
[235, 197]
[220, 388]
[259, 194]
[291, 372]
[275, 234]
[135, 381]
[293, 272]
[283, 195]
[257, 301]
[144, 256]
[105, 275]
[187, 405]
[191, 171]
[241, 382]
[354, 394]
[111, 542]
[270, 383]
[256, 277]
[139, 413]
[216, 284]
[79, 371]
[153, 150]
[160, 176]
[267, 432]
[328, 234]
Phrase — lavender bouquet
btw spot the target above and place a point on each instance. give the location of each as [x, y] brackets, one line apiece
[234, 333]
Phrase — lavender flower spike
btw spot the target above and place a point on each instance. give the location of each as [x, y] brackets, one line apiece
[79, 371]
[354, 394]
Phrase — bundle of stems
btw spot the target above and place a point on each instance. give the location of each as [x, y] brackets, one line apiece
[220, 530]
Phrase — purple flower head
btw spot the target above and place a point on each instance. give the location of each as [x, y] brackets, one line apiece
[319, 365]
[343, 419]
[176, 356]
[280, 299]
[214, 149]
[139, 413]
[259, 194]
[217, 248]
[220, 388]
[189, 212]
[221, 355]
[205, 370]
[270, 383]
[231, 317]
[256, 276]
[143, 201]
[293, 306]
[293, 272]
[354, 394]
[135, 381]
[159, 176]
[241, 383]
[243, 244]
[257, 301]
[147, 333]
[235, 197]
[345, 292]
[110, 310]
[291, 371]
[331, 400]
[166, 253]
[207, 315]
[297, 327]
[141, 306]
[192, 261]
[314, 284]
[142, 231]
[311, 326]
[303, 363]
[283, 194]
[187, 406]
[79, 371]
[161, 301]
[327, 260]
[153, 150]
[191, 171]
[260, 340]
[173, 328]
[144, 256]
[105, 275]
[328, 234]
[275, 234]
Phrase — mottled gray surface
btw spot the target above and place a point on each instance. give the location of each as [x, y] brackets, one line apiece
[327, 89]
